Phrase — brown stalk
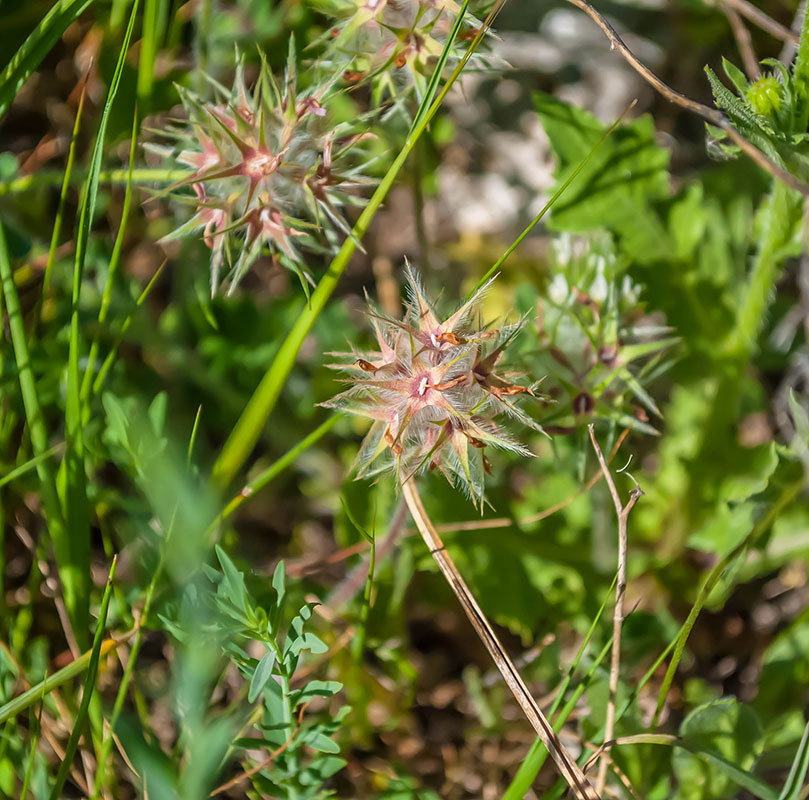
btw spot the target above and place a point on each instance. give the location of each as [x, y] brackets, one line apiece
[743, 41]
[566, 765]
[711, 115]
[759, 18]
[620, 588]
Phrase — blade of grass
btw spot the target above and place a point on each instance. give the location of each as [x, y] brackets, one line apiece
[787, 496]
[798, 769]
[60, 677]
[32, 463]
[110, 358]
[278, 466]
[44, 178]
[36, 47]
[571, 704]
[36, 423]
[89, 687]
[154, 22]
[556, 195]
[112, 272]
[29, 767]
[60, 209]
[72, 478]
[248, 427]
[358, 645]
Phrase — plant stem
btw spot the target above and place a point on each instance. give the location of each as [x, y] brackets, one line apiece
[566, 765]
[622, 512]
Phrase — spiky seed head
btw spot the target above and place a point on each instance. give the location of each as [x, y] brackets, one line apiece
[434, 393]
[269, 170]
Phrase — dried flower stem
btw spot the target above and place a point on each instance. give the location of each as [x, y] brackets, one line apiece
[743, 41]
[711, 115]
[760, 19]
[620, 588]
[566, 765]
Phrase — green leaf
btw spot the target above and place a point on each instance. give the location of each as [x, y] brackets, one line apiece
[736, 76]
[89, 687]
[617, 190]
[261, 676]
[233, 585]
[278, 582]
[316, 689]
[321, 742]
[727, 729]
[759, 465]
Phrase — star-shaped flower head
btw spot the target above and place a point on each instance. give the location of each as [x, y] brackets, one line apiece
[433, 392]
[269, 170]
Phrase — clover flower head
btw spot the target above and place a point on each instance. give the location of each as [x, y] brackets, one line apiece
[596, 342]
[393, 44]
[434, 391]
[269, 170]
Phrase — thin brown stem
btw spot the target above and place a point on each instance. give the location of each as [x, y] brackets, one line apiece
[566, 765]
[711, 115]
[759, 18]
[743, 41]
[507, 522]
[620, 589]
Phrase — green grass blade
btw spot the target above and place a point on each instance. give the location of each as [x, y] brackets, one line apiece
[36, 47]
[60, 677]
[798, 769]
[49, 177]
[36, 424]
[556, 195]
[36, 728]
[72, 478]
[438, 71]
[787, 496]
[32, 463]
[278, 466]
[60, 209]
[360, 635]
[110, 358]
[89, 687]
[112, 272]
[248, 427]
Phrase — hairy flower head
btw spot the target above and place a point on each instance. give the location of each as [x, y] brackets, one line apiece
[433, 391]
[269, 170]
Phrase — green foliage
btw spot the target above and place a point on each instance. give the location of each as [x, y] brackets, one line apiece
[726, 727]
[664, 300]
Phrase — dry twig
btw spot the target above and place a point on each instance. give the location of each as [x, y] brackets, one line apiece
[620, 588]
[759, 18]
[711, 115]
[743, 41]
[566, 765]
